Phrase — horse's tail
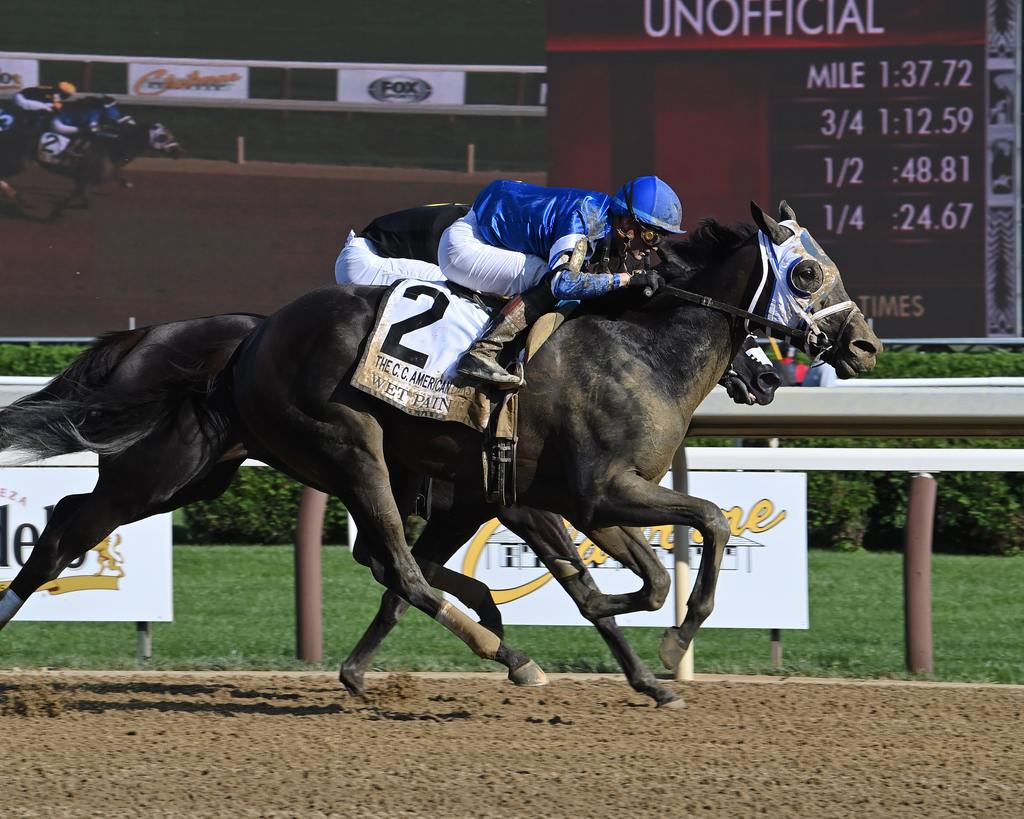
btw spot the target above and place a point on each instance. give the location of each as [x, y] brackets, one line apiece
[82, 410]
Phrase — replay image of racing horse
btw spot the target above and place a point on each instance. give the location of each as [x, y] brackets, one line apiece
[88, 160]
[594, 440]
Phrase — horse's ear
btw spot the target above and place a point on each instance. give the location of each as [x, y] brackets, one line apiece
[786, 212]
[776, 232]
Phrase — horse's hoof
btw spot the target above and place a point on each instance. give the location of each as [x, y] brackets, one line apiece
[353, 682]
[678, 704]
[528, 674]
[671, 650]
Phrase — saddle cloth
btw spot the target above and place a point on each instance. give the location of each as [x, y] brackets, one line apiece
[422, 329]
[51, 148]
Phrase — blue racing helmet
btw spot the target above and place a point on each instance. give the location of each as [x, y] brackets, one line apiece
[652, 202]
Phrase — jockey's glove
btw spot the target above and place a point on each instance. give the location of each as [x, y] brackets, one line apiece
[648, 279]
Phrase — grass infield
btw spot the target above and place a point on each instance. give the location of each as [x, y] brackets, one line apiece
[234, 609]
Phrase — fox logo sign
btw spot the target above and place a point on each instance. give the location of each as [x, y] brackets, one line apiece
[399, 89]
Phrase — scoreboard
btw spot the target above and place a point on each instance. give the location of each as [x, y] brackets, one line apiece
[891, 126]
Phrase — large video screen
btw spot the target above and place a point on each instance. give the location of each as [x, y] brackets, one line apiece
[891, 126]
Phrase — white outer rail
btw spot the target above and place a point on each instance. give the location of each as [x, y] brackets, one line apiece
[263, 104]
[320, 66]
[760, 459]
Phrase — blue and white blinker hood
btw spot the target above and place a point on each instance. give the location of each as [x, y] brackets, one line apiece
[792, 307]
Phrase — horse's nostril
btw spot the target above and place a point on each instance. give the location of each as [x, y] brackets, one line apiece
[866, 346]
[769, 381]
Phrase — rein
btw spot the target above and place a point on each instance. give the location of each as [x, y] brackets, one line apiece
[781, 331]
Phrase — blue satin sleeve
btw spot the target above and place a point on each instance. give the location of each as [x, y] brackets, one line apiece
[581, 286]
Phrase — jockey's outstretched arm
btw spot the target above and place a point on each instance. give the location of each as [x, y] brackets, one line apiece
[27, 104]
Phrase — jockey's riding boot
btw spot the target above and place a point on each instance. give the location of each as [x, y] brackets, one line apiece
[480, 362]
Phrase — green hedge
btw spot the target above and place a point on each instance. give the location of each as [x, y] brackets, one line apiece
[259, 507]
[977, 513]
[36, 359]
[912, 364]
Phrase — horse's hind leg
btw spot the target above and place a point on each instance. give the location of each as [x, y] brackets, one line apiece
[440, 539]
[377, 516]
[44, 561]
[78, 523]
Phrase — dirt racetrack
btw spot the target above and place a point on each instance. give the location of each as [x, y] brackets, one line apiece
[274, 744]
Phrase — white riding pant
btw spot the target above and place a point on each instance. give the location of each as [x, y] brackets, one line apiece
[359, 263]
[468, 260]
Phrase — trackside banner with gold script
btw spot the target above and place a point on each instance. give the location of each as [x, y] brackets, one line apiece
[195, 81]
[126, 576]
[763, 580]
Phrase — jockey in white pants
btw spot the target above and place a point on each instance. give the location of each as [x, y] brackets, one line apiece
[517, 240]
[401, 245]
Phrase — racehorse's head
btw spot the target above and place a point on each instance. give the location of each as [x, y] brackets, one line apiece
[810, 298]
[162, 140]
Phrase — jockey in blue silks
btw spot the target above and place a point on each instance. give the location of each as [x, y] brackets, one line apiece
[76, 121]
[519, 240]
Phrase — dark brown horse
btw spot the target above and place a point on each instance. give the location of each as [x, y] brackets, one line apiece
[186, 447]
[581, 458]
[609, 399]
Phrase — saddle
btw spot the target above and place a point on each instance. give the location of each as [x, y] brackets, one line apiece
[410, 361]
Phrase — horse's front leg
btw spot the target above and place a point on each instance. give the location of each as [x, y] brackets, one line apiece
[632, 501]
[546, 535]
[629, 546]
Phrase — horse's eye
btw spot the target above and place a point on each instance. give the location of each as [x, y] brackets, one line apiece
[806, 277]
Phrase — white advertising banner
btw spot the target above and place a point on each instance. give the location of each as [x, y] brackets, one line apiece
[763, 580]
[401, 87]
[194, 81]
[17, 74]
[127, 576]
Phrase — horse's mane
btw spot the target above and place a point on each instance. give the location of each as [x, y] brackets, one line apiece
[710, 243]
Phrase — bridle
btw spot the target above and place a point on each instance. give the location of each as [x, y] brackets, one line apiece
[805, 311]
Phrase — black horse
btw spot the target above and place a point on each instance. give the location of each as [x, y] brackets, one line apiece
[160, 376]
[609, 399]
[88, 161]
[592, 452]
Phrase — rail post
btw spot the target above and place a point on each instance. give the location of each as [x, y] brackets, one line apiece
[917, 574]
[775, 636]
[143, 642]
[309, 528]
[681, 564]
